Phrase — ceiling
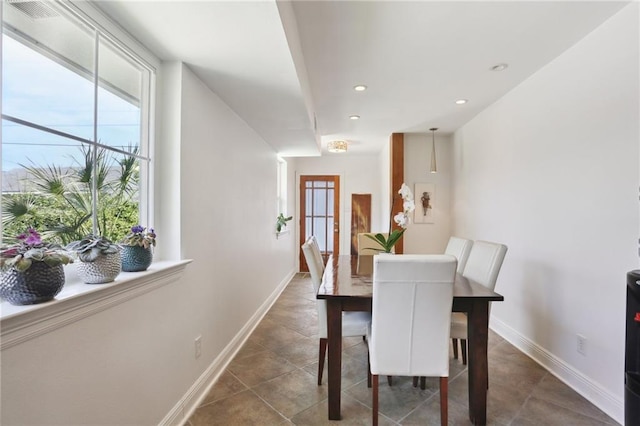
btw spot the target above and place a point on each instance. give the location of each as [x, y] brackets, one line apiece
[289, 68]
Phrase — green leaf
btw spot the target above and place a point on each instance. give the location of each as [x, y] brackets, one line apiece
[23, 264]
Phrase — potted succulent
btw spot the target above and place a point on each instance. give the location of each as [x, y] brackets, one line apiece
[32, 270]
[99, 259]
[136, 249]
[281, 222]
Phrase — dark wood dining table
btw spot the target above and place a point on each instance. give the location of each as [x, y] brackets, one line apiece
[344, 290]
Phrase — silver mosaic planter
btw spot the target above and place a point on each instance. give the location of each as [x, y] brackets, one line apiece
[104, 269]
[40, 283]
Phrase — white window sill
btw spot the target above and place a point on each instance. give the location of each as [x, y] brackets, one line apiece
[78, 300]
[282, 233]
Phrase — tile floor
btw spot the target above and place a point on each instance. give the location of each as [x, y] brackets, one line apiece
[272, 381]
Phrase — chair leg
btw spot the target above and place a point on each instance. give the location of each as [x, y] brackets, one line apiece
[390, 380]
[423, 383]
[463, 346]
[415, 381]
[368, 372]
[321, 355]
[444, 397]
[455, 348]
[374, 409]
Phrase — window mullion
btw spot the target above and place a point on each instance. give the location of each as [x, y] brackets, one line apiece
[94, 148]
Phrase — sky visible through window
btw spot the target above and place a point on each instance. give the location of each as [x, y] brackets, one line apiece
[38, 89]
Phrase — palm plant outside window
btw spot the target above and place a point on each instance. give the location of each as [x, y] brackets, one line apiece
[75, 127]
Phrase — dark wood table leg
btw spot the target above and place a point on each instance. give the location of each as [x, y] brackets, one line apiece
[334, 331]
[478, 334]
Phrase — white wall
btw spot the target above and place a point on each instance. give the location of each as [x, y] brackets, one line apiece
[428, 238]
[134, 363]
[229, 208]
[551, 170]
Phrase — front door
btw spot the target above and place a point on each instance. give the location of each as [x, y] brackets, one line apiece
[320, 214]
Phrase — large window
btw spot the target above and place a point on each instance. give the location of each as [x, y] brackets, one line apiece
[75, 126]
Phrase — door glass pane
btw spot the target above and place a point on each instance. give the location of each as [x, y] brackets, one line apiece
[320, 231]
[330, 201]
[319, 202]
[308, 228]
[308, 201]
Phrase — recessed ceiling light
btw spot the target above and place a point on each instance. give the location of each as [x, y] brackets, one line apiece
[354, 117]
[360, 88]
[499, 67]
[462, 101]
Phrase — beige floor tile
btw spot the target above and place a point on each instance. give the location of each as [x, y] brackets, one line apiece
[429, 413]
[353, 413]
[255, 369]
[226, 386]
[538, 412]
[553, 390]
[397, 401]
[292, 393]
[245, 408]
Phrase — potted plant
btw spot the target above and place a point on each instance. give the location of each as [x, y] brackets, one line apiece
[32, 270]
[281, 222]
[136, 249]
[99, 259]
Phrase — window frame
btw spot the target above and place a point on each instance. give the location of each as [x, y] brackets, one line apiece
[105, 31]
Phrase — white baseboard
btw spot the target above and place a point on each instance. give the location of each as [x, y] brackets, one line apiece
[611, 404]
[186, 406]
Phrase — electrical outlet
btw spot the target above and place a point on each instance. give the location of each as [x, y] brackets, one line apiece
[582, 344]
[198, 345]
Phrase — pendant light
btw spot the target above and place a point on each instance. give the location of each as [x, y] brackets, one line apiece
[337, 146]
[433, 168]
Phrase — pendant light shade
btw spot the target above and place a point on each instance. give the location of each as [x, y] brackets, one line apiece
[434, 167]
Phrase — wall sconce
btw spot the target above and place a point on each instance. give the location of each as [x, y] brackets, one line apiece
[434, 168]
[337, 146]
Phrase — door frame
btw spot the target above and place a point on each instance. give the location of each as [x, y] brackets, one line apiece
[300, 178]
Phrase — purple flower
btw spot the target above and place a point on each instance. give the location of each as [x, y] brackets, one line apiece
[137, 229]
[31, 238]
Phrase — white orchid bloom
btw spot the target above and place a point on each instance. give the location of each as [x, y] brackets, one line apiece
[401, 219]
[409, 205]
[405, 192]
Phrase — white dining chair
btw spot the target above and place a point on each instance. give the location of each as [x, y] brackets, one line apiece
[367, 248]
[411, 317]
[460, 248]
[483, 266]
[317, 253]
[353, 323]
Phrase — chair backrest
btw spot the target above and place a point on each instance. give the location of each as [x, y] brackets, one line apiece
[316, 252]
[365, 252]
[460, 248]
[315, 264]
[316, 270]
[484, 263]
[411, 317]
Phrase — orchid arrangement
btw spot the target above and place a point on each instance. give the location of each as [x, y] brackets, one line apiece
[401, 218]
[30, 248]
[139, 236]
